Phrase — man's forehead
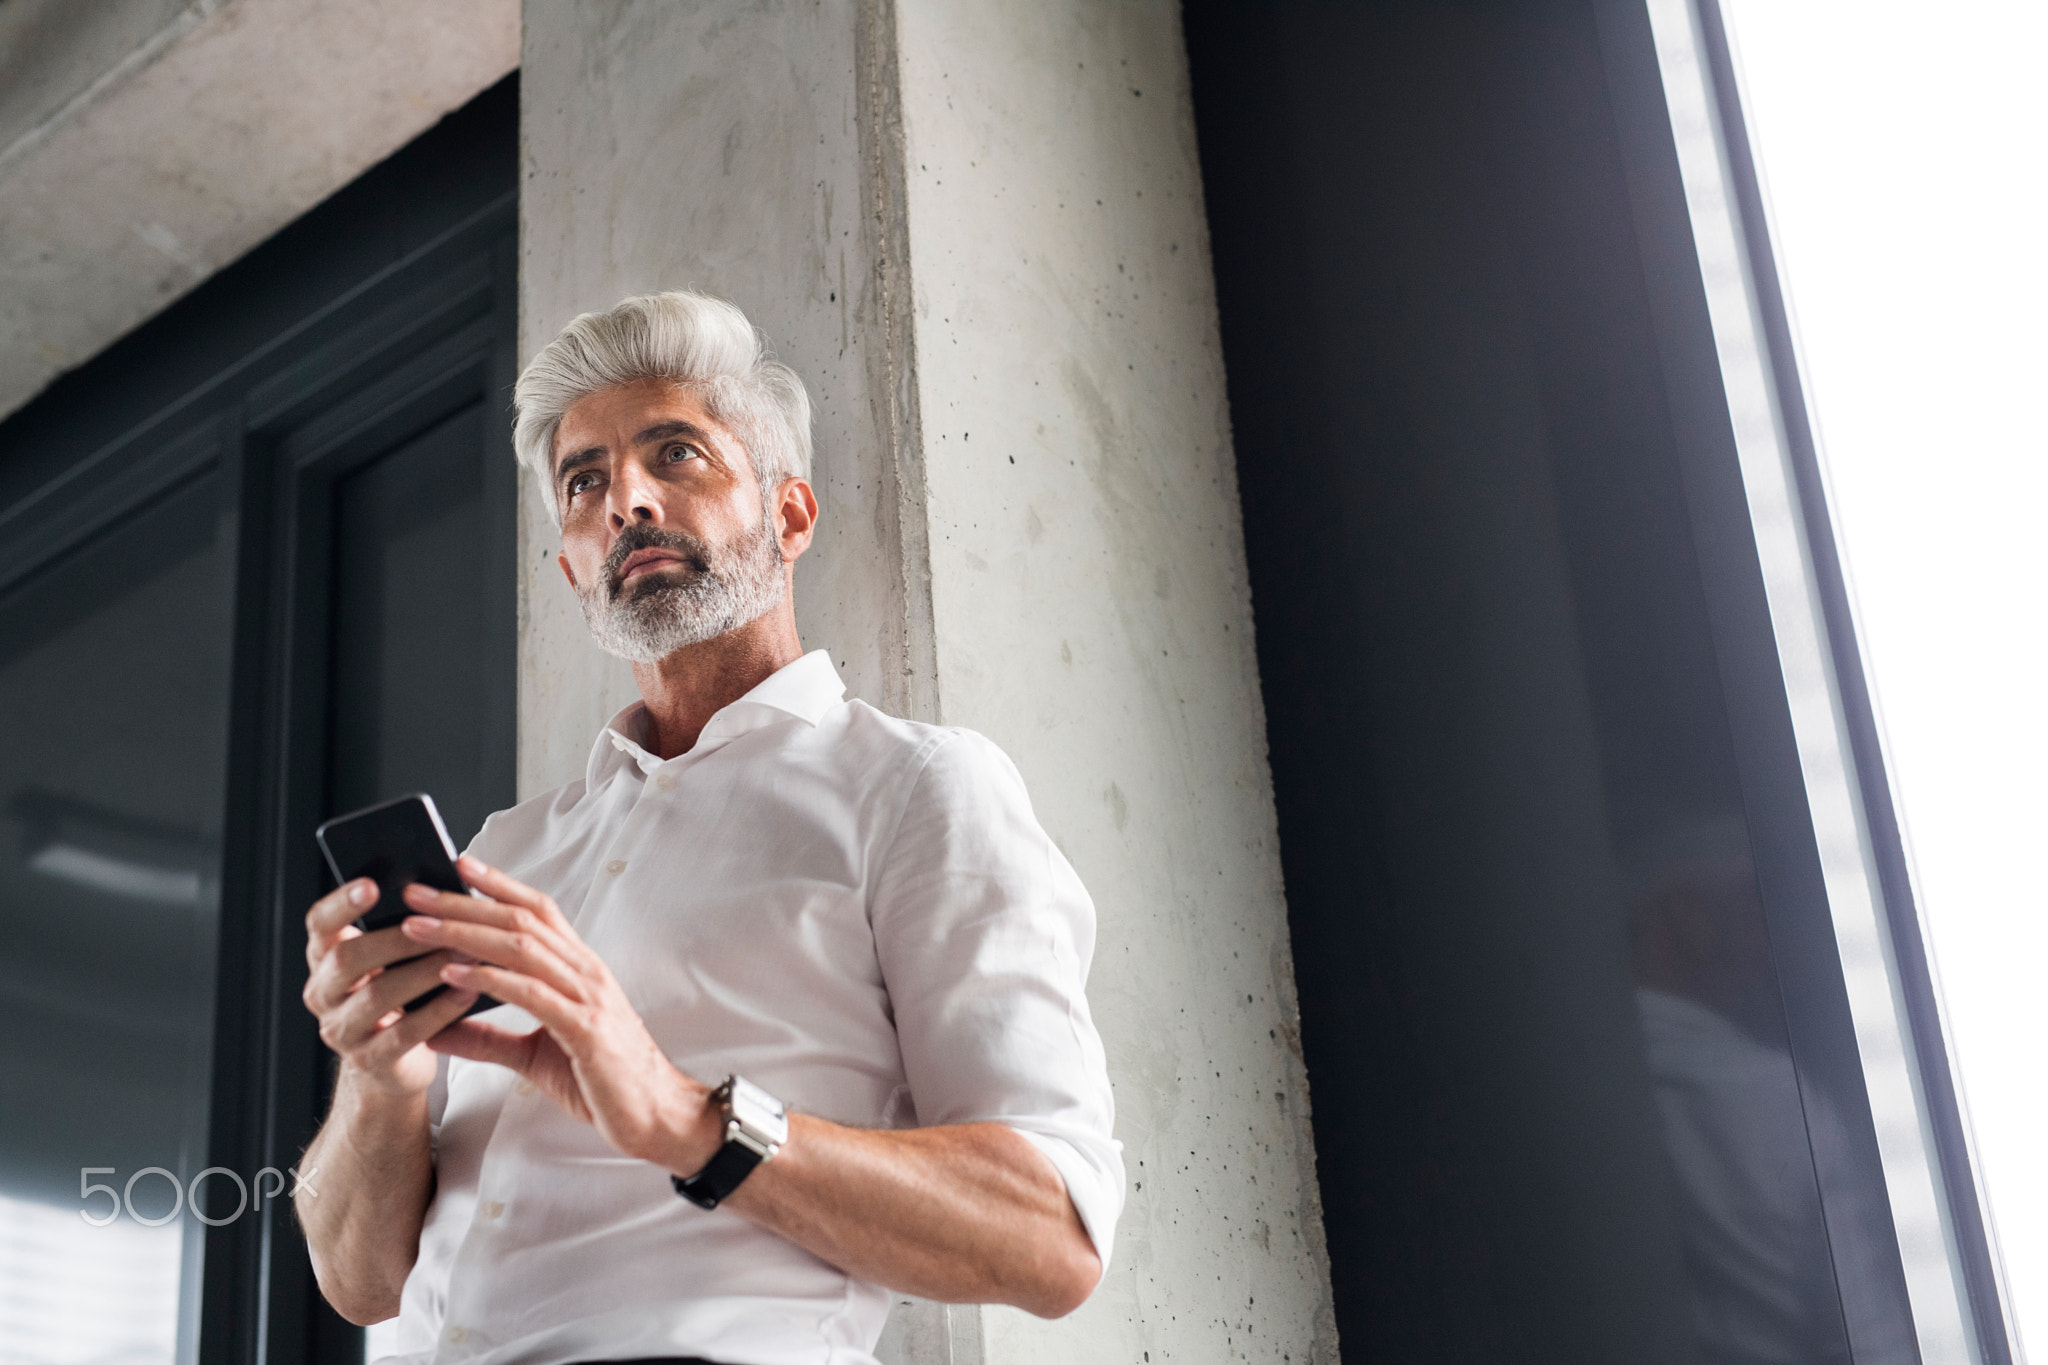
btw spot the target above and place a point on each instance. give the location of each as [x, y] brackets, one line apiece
[636, 412]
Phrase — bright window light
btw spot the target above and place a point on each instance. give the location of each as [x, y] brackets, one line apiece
[1902, 149]
[83, 1295]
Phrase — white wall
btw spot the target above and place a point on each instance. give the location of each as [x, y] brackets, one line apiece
[1003, 306]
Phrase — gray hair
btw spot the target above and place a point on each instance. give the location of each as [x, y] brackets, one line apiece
[702, 343]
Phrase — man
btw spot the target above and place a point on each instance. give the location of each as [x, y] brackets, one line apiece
[855, 916]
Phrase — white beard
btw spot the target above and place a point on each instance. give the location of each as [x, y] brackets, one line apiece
[651, 618]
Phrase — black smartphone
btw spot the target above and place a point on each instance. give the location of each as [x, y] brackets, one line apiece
[394, 843]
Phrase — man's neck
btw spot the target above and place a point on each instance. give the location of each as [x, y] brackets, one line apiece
[683, 691]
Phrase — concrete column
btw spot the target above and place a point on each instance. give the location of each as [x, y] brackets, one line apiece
[976, 229]
[720, 148]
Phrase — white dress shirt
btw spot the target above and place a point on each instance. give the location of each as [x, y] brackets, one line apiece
[858, 913]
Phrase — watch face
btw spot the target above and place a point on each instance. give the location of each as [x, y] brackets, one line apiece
[757, 1112]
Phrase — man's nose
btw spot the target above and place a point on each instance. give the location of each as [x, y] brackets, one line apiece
[633, 496]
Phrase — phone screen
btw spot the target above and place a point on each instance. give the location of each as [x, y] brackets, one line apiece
[394, 843]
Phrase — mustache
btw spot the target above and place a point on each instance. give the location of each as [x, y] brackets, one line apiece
[639, 536]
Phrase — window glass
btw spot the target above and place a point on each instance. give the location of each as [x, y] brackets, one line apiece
[412, 592]
[113, 708]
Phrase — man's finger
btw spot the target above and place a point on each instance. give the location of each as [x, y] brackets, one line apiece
[353, 958]
[318, 950]
[557, 1014]
[545, 923]
[339, 972]
[510, 890]
[334, 912]
[480, 1042]
[427, 900]
[521, 919]
[531, 954]
[420, 1025]
[359, 1018]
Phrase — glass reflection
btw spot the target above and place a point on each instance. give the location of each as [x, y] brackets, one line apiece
[1728, 1100]
[113, 685]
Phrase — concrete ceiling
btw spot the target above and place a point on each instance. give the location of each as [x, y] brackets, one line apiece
[144, 144]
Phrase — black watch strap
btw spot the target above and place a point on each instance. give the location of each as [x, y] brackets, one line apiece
[755, 1123]
[720, 1177]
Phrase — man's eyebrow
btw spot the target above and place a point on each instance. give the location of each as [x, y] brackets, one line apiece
[588, 455]
[662, 431]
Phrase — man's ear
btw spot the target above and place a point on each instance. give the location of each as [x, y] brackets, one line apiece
[567, 572]
[796, 517]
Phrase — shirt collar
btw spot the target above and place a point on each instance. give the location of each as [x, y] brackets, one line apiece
[805, 688]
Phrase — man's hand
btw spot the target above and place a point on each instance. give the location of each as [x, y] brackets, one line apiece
[357, 993]
[592, 1053]
[364, 1232]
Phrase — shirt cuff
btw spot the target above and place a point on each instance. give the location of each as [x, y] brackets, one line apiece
[1096, 1189]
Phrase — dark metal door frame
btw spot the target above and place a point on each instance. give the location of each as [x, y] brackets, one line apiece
[441, 343]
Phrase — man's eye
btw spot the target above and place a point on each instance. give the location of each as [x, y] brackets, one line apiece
[582, 483]
[677, 454]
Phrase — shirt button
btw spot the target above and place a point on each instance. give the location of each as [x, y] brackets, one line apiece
[493, 1209]
[524, 1087]
[615, 866]
[457, 1335]
[665, 781]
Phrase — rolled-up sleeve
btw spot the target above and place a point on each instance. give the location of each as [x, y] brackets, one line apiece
[984, 933]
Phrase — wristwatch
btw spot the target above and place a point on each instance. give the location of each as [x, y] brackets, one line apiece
[756, 1125]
